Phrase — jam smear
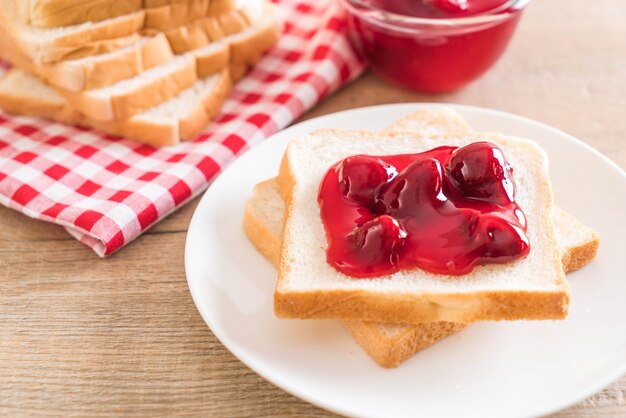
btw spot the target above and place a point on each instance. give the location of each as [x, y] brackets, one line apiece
[444, 211]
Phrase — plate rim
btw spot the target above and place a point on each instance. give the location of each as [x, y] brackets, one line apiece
[267, 373]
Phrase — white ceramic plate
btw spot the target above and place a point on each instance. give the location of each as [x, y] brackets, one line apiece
[507, 369]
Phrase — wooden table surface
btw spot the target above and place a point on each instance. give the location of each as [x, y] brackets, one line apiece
[121, 336]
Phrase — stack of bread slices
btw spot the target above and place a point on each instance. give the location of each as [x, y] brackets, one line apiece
[394, 316]
[155, 71]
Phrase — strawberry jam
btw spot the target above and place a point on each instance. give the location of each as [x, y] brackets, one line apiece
[432, 45]
[444, 211]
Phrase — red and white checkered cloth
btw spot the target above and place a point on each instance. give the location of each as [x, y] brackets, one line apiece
[106, 191]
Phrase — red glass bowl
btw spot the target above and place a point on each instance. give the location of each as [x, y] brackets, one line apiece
[431, 55]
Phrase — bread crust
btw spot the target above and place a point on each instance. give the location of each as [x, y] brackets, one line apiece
[479, 306]
[91, 40]
[212, 61]
[240, 52]
[391, 352]
[248, 51]
[120, 26]
[210, 106]
[94, 74]
[432, 121]
[218, 7]
[176, 14]
[57, 13]
[186, 128]
[579, 256]
[133, 62]
[150, 4]
[264, 239]
[14, 51]
[60, 53]
[205, 30]
[118, 106]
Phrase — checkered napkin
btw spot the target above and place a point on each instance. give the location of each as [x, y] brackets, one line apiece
[106, 191]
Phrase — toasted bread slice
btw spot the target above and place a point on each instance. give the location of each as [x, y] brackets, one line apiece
[182, 117]
[308, 287]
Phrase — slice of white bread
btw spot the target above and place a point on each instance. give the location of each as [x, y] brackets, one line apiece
[391, 344]
[308, 287]
[203, 31]
[246, 47]
[150, 4]
[105, 69]
[222, 6]
[211, 58]
[41, 45]
[182, 117]
[170, 16]
[134, 95]
[56, 13]
[97, 71]
[24, 94]
[578, 243]
[60, 53]
[216, 6]
[439, 121]
[242, 49]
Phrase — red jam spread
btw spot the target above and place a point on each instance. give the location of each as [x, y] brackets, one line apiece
[432, 57]
[444, 211]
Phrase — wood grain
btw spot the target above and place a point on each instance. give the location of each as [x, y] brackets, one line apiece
[82, 336]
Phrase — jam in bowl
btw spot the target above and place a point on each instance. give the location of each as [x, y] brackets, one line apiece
[432, 45]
